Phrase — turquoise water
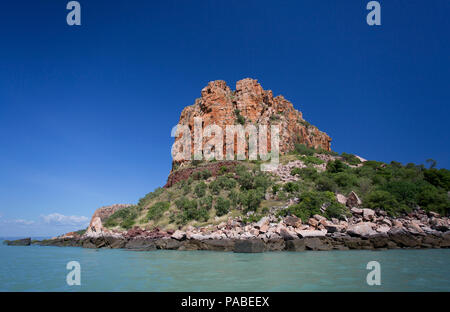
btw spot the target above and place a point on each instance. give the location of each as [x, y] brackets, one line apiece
[38, 268]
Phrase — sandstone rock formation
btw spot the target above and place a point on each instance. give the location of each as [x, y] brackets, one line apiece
[251, 104]
[95, 227]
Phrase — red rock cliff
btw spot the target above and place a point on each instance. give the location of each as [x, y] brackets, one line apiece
[218, 105]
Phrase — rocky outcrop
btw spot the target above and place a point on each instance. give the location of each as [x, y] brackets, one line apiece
[249, 246]
[18, 242]
[365, 229]
[95, 227]
[251, 104]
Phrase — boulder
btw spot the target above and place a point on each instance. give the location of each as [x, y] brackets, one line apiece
[383, 228]
[414, 228]
[368, 214]
[363, 229]
[432, 214]
[311, 233]
[356, 211]
[319, 217]
[263, 222]
[293, 221]
[179, 235]
[353, 200]
[313, 222]
[287, 235]
[403, 238]
[333, 227]
[439, 224]
[263, 228]
[341, 199]
[249, 246]
[397, 223]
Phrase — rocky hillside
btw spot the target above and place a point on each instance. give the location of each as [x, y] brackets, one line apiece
[313, 192]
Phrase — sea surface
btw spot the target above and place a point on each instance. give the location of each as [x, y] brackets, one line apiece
[36, 268]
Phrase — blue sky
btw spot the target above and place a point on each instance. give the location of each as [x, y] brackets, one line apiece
[86, 111]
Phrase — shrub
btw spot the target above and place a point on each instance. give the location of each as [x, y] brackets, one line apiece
[310, 204]
[304, 150]
[365, 185]
[124, 217]
[149, 197]
[200, 189]
[202, 214]
[291, 187]
[325, 183]
[185, 204]
[307, 173]
[223, 170]
[336, 166]
[81, 232]
[201, 175]
[206, 202]
[261, 180]
[234, 197]
[344, 179]
[439, 178]
[252, 218]
[245, 179]
[240, 118]
[189, 210]
[431, 198]
[296, 171]
[336, 210]
[226, 182]
[302, 211]
[251, 199]
[127, 223]
[222, 206]
[157, 210]
[186, 189]
[282, 195]
[311, 160]
[214, 187]
[403, 191]
[379, 199]
[275, 188]
[351, 159]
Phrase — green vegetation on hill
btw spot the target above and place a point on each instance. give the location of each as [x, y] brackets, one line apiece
[391, 187]
[242, 191]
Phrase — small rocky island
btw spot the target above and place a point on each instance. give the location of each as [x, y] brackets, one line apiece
[315, 199]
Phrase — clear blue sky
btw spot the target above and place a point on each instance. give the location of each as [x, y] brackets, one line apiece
[86, 112]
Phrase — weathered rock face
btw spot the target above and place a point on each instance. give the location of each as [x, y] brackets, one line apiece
[95, 227]
[219, 105]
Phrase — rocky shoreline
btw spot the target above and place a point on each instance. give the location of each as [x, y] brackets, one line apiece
[392, 240]
[366, 229]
